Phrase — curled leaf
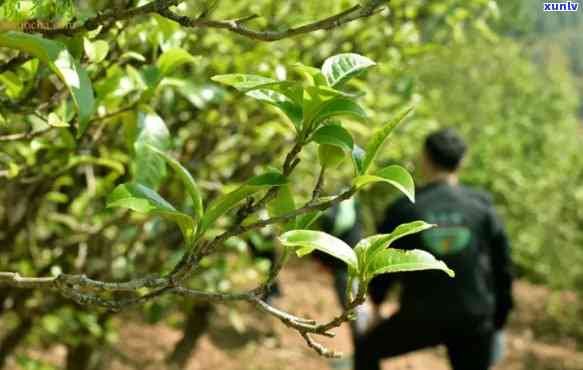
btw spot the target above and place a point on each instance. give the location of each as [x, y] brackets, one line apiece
[394, 175]
[306, 241]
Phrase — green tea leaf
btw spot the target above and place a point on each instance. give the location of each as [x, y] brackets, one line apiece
[307, 219]
[336, 135]
[324, 104]
[246, 83]
[379, 138]
[243, 82]
[292, 110]
[340, 68]
[285, 95]
[150, 168]
[56, 55]
[226, 202]
[358, 155]
[140, 198]
[96, 50]
[13, 85]
[282, 204]
[395, 260]
[394, 175]
[367, 248]
[186, 178]
[150, 76]
[306, 241]
[172, 58]
[313, 75]
[330, 155]
[54, 120]
[132, 55]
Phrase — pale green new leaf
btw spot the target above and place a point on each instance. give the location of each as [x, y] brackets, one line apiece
[224, 203]
[132, 55]
[396, 260]
[96, 50]
[306, 241]
[379, 137]
[243, 82]
[340, 68]
[172, 58]
[54, 120]
[56, 55]
[394, 175]
[367, 248]
[140, 198]
[186, 178]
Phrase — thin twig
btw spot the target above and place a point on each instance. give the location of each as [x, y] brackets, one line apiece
[237, 26]
[319, 348]
[25, 135]
[111, 16]
[319, 184]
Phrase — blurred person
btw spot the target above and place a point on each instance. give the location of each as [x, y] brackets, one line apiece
[463, 313]
[344, 221]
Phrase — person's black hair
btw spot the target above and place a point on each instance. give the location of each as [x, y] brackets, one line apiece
[445, 148]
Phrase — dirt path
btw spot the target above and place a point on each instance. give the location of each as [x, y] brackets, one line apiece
[253, 342]
[312, 296]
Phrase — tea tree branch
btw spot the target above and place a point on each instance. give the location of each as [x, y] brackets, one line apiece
[162, 7]
[83, 284]
[237, 26]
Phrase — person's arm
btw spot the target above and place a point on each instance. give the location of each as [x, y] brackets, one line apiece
[502, 270]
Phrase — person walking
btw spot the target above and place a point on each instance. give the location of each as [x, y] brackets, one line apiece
[463, 313]
[344, 221]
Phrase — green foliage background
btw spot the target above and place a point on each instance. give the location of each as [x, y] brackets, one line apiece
[513, 91]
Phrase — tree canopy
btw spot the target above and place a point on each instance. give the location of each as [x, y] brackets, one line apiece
[145, 146]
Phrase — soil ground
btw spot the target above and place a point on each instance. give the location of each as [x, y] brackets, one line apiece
[251, 341]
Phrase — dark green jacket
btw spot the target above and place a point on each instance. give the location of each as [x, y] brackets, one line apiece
[470, 239]
[344, 221]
